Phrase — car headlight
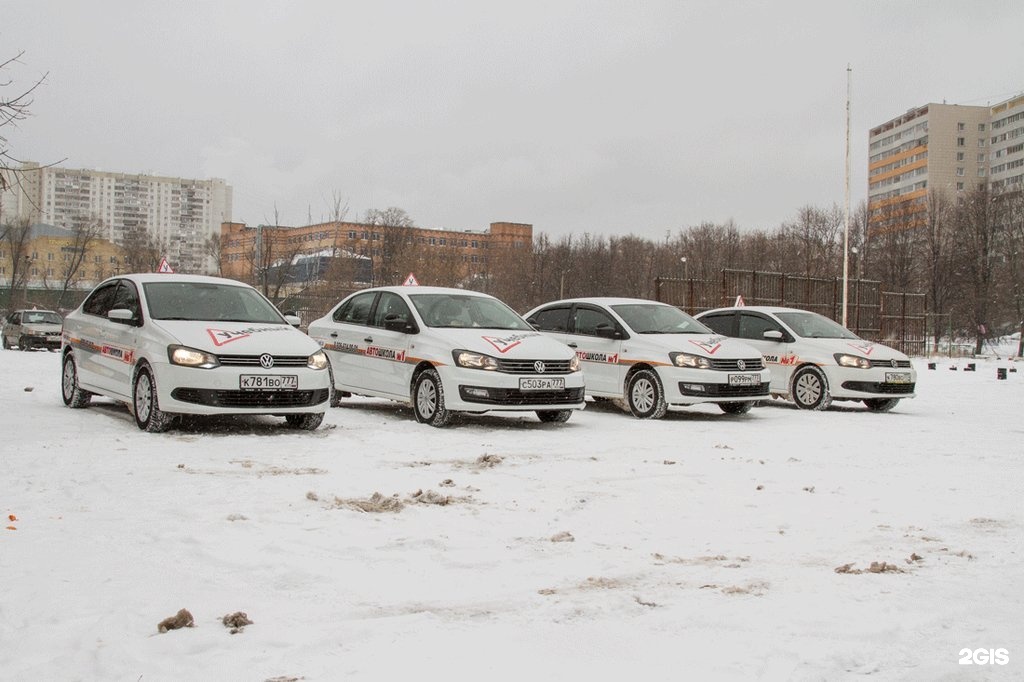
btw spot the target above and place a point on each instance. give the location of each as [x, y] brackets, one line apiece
[690, 360]
[317, 360]
[190, 357]
[845, 360]
[471, 360]
[574, 364]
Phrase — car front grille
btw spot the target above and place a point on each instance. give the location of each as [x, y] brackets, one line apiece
[529, 366]
[724, 390]
[254, 360]
[749, 365]
[253, 399]
[513, 396]
[888, 363]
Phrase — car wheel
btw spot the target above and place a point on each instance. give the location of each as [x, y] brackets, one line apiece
[645, 396]
[736, 408]
[428, 400]
[881, 404]
[554, 416]
[71, 393]
[306, 422]
[23, 343]
[3, 341]
[148, 415]
[810, 389]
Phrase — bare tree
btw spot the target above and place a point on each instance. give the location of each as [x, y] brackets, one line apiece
[978, 227]
[16, 237]
[395, 241]
[84, 233]
[142, 251]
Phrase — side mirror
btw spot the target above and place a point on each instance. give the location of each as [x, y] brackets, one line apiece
[292, 319]
[773, 335]
[122, 315]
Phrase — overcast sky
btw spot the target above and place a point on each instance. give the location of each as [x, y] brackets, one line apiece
[600, 117]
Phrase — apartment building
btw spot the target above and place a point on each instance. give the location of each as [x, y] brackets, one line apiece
[1006, 151]
[946, 148]
[433, 255]
[180, 215]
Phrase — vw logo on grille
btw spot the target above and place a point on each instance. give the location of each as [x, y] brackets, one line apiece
[741, 365]
[266, 361]
[894, 363]
[538, 367]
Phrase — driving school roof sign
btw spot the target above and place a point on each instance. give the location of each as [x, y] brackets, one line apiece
[165, 267]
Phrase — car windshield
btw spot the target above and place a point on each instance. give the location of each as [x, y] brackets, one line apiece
[208, 302]
[40, 317]
[651, 318]
[814, 326]
[458, 311]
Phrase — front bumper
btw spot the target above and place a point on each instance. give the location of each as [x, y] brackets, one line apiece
[188, 390]
[472, 390]
[685, 386]
[876, 382]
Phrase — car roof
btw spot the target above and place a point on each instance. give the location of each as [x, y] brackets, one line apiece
[605, 301]
[755, 308]
[145, 277]
[35, 310]
[408, 290]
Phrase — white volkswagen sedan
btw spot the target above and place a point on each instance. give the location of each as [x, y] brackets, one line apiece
[653, 355]
[181, 344]
[815, 360]
[447, 351]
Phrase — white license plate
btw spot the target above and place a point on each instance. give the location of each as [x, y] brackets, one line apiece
[546, 384]
[268, 382]
[744, 379]
[897, 377]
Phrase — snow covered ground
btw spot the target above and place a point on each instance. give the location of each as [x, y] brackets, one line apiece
[703, 546]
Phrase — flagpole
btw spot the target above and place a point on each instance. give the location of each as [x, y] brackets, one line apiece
[846, 218]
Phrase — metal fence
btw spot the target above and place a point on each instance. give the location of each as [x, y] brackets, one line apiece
[897, 319]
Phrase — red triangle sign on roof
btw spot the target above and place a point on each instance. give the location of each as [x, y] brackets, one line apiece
[165, 267]
[739, 301]
[410, 281]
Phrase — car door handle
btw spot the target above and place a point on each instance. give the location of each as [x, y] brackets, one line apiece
[571, 345]
[334, 335]
[368, 339]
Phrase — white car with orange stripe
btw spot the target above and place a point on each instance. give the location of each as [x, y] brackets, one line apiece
[180, 344]
[447, 351]
[653, 355]
[815, 360]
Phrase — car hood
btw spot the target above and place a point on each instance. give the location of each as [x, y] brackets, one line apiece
[504, 343]
[239, 338]
[706, 345]
[860, 347]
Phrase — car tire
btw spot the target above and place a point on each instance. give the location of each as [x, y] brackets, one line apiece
[881, 404]
[305, 422]
[73, 395]
[736, 408]
[810, 389]
[146, 404]
[3, 341]
[645, 396]
[23, 344]
[428, 400]
[554, 416]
